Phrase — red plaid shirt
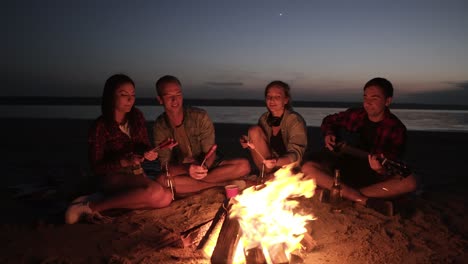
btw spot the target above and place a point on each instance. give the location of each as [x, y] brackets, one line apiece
[108, 144]
[391, 132]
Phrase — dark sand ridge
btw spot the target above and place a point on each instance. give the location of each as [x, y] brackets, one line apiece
[52, 153]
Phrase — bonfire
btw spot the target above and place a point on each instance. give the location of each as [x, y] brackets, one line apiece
[268, 225]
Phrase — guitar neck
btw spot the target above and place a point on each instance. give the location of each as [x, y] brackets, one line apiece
[395, 167]
[352, 151]
[358, 153]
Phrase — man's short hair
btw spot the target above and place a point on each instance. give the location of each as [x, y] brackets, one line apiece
[165, 80]
[384, 84]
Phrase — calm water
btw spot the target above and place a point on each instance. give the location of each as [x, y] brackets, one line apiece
[414, 119]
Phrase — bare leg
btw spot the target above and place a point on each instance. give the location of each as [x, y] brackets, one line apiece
[258, 138]
[228, 170]
[186, 184]
[314, 170]
[391, 188]
[152, 195]
[183, 183]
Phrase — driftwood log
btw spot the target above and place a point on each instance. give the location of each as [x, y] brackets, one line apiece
[217, 220]
[228, 239]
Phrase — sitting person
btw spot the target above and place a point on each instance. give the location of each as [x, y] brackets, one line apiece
[118, 142]
[375, 130]
[194, 132]
[280, 137]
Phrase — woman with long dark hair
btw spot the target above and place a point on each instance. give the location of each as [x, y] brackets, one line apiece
[118, 143]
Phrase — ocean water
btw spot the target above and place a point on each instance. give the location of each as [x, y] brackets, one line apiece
[414, 119]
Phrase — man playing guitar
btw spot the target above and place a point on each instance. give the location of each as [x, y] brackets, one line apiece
[381, 133]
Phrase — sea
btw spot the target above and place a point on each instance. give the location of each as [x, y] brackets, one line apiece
[414, 119]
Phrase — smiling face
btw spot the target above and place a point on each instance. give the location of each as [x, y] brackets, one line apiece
[171, 97]
[124, 98]
[276, 100]
[375, 103]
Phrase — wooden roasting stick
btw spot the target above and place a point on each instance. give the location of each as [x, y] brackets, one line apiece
[261, 179]
[168, 143]
[254, 148]
[169, 182]
[210, 153]
[258, 152]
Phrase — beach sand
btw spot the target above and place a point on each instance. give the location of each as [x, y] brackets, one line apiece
[45, 166]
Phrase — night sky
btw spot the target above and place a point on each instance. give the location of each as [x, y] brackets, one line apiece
[326, 50]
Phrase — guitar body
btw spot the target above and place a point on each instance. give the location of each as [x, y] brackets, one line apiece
[391, 166]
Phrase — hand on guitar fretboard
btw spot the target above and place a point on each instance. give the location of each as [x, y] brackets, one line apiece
[392, 167]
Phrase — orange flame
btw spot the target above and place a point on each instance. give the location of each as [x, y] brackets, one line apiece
[266, 216]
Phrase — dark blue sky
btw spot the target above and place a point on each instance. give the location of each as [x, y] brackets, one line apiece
[326, 50]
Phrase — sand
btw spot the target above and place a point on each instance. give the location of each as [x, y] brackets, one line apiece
[45, 166]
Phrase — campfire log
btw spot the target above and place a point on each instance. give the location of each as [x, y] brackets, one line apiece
[308, 243]
[255, 256]
[168, 240]
[296, 259]
[277, 254]
[228, 239]
[193, 236]
[217, 220]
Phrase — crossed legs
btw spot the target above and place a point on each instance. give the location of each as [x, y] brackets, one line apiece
[134, 193]
[123, 191]
[390, 188]
[226, 171]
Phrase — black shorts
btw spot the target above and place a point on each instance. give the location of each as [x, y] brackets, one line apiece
[355, 172]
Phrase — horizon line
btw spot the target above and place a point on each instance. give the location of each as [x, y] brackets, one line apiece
[87, 100]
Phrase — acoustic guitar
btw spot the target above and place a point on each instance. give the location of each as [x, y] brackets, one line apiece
[391, 166]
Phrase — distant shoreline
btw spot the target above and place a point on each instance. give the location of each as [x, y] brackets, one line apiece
[33, 100]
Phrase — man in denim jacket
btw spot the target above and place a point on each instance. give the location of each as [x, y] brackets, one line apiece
[194, 132]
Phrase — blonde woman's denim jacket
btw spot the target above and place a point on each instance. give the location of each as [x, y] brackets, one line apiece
[293, 131]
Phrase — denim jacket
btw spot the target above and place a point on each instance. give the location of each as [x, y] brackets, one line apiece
[198, 126]
[293, 131]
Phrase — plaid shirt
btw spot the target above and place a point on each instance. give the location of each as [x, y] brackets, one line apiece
[108, 144]
[391, 132]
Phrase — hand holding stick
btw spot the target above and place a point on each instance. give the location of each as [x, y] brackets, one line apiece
[251, 145]
[209, 153]
[245, 142]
